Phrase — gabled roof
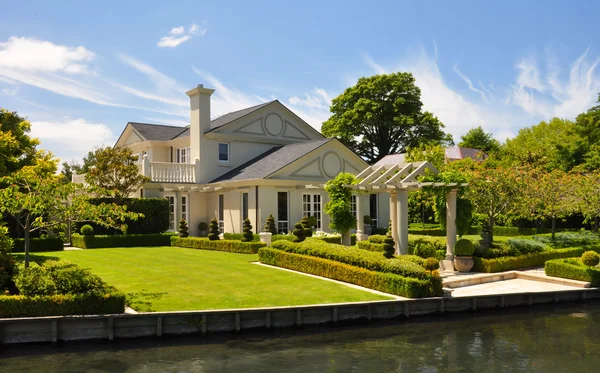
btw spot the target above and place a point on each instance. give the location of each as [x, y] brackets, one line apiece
[157, 132]
[271, 161]
[234, 115]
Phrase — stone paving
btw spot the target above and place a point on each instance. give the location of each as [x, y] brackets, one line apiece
[516, 285]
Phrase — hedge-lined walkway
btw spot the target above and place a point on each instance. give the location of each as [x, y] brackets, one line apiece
[177, 279]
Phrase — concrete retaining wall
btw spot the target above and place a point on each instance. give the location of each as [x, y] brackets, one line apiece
[72, 328]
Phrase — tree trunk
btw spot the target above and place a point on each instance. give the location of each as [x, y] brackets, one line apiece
[346, 238]
[553, 227]
[26, 241]
[596, 224]
[491, 229]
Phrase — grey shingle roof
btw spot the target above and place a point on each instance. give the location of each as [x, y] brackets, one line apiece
[230, 117]
[271, 161]
[158, 132]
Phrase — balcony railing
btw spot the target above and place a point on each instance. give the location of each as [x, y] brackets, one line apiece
[165, 172]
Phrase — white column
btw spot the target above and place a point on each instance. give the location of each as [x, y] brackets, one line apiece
[177, 209]
[394, 218]
[450, 223]
[196, 170]
[146, 165]
[360, 233]
[403, 221]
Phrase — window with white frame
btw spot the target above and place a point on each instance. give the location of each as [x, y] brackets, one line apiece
[283, 225]
[221, 213]
[184, 209]
[183, 155]
[224, 152]
[171, 200]
[311, 206]
[373, 210]
[244, 206]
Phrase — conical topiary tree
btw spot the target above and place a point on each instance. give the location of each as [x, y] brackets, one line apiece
[298, 232]
[388, 247]
[306, 226]
[213, 233]
[247, 231]
[270, 225]
[183, 228]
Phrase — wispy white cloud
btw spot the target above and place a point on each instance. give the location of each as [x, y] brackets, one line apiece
[178, 35]
[469, 83]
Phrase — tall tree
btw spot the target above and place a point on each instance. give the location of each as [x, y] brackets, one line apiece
[116, 173]
[587, 192]
[477, 138]
[382, 115]
[587, 126]
[17, 148]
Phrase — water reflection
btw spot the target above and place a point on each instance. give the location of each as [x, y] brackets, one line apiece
[545, 339]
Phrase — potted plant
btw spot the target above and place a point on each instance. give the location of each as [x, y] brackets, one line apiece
[463, 255]
[202, 229]
[367, 220]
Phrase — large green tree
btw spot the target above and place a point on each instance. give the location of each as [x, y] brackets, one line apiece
[115, 173]
[17, 148]
[477, 138]
[587, 126]
[382, 115]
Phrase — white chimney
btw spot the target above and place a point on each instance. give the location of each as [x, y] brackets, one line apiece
[199, 118]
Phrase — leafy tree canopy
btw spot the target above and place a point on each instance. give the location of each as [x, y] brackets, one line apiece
[477, 138]
[383, 115]
[70, 168]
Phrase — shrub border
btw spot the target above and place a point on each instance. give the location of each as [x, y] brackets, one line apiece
[125, 240]
[560, 268]
[232, 246]
[508, 263]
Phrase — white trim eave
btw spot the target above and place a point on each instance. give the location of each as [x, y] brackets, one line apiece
[228, 137]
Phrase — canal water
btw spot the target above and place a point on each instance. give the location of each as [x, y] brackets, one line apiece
[545, 339]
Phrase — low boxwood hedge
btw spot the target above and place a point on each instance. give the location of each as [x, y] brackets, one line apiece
[337, 239]
[574, 269]
[256, 237]
[124, 240]
[371, 246]
[385, 282]
[39, 244]
[232, 246]
[508, 263]
[405, 265]
[57, 305]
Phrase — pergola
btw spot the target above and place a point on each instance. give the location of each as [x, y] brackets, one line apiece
[397, 180]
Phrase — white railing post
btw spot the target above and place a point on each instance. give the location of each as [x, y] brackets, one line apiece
[145, 165]
[196, 171]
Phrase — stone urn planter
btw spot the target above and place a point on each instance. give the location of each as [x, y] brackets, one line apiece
[463, 263]
[463, 255]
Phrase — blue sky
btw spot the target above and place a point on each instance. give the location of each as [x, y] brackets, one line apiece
[81, 70]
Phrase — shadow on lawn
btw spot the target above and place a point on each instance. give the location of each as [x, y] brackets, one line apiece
[143, 301]
[20, 257]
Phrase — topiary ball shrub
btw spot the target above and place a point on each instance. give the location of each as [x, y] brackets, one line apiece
[424, 250]
[464, 247]
[269, 226]
[214, 232]
[183, 230]
[87, 230]
[388, 247]
[431, 264]
[247, 229]
[590, 258]
[298, 232]
[306, 226]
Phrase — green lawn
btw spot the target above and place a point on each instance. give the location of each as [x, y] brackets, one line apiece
[174, 279]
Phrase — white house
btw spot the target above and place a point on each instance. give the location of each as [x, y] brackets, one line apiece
[250, 163]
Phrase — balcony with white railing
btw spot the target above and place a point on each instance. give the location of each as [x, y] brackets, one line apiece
[166, 172]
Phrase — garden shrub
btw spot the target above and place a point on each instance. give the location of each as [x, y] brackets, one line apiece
[86, 230]
[377, 238]
[571, 239]
[269, 226]
[424, 249]
[438, 243]
[388, 247]
[298, 232]
[183, 228]
[213, 233]
[464, 247]
[239, 236]
[431, 264]
[124, 240]
[40, 244]
[232, 246]
[247, 236]
[526, 246]
[282, 237]
[573, 269]
[336, 239]
[386, 282]
[367, 245]
[57, 305]
[306, 226]
[405, 265]
[438, 232]
[509, 263]
[590, 258]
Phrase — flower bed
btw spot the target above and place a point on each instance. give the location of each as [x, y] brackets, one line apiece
[232, 246]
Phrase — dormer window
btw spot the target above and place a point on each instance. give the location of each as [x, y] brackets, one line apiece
[223, 152]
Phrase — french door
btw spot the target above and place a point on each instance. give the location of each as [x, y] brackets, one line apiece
[311, 206]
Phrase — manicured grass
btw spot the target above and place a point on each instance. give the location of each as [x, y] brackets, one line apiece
[174, 279]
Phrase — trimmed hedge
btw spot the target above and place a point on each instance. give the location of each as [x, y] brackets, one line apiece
[573, 269]
[337, 240]
[385, 282]
[238, 237]
[427, 231]
[124, 240]
[231, 246]
[508, 263]
[37, 245]
[371, 246]
[405, 265]
[57, 305]
[438, 243]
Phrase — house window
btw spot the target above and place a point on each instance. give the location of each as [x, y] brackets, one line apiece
[221, 213]
[311, 206]
[353, 206]
[223, 152]
[244, 206]
[283, 225]
[171, 212]
[183, 155]
[373, 210]
[184, 208]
